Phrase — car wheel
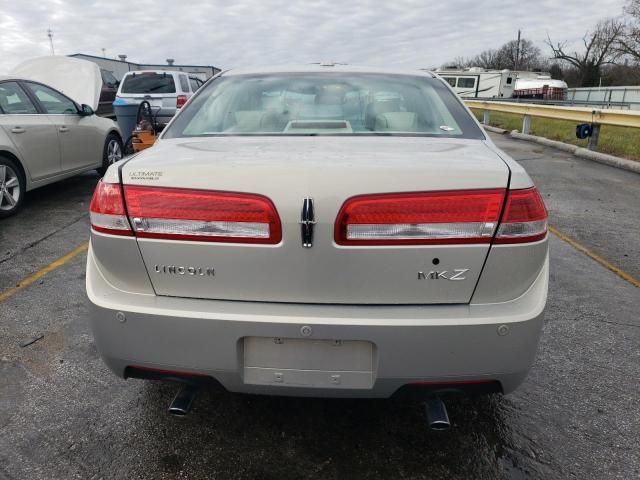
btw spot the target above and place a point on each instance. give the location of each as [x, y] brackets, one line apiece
[12, 187]
[112, 152]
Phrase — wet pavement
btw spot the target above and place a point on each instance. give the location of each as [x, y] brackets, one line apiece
[63, 415]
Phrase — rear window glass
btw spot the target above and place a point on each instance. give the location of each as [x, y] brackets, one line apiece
[325, 104]
[148, 83]
[184, 84]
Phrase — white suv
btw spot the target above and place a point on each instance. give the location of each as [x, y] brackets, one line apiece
[166, 91]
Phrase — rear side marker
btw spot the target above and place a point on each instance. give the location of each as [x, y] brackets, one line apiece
[524, 219]
[107, 212]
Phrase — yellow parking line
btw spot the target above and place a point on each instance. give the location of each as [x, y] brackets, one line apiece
[34, 277]
[581, 248]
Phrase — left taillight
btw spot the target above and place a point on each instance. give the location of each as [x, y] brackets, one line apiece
[107, 211]
[202, 215]
[180, 101]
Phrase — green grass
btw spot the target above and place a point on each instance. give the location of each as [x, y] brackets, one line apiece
[620, 141]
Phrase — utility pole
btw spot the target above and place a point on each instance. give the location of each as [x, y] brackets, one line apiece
[50, 35]
[517, 52]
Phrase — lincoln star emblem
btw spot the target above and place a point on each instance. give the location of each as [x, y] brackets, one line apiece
[307, 222]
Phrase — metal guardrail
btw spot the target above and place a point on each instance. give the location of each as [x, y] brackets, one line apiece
[595, 117]
[568, 103]
[606, 95]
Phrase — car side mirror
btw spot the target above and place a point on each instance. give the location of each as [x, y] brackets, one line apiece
[86, 110]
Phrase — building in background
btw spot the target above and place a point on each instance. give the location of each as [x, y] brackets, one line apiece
[118, 67]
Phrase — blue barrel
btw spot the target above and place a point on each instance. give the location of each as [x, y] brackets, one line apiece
[126, 116]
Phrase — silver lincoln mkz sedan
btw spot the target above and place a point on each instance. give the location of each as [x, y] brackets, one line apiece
[320, 231]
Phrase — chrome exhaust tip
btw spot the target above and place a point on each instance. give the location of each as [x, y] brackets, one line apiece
[437, 416]
[183, 401]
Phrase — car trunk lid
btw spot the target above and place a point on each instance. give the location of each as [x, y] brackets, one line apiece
[329, 170]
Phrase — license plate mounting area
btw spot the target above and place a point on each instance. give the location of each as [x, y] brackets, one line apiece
[310, 363]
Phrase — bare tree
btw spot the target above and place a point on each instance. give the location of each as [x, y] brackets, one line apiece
[487, 59]
[525, 58]
[600, 48]
[505, 57]
[629, 42]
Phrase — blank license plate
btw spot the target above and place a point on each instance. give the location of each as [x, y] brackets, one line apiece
[308, 363]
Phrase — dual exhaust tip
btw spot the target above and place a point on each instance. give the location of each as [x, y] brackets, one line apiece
[183, 401]
[437, 417]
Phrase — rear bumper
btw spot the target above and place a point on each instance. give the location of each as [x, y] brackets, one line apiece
[422, 345]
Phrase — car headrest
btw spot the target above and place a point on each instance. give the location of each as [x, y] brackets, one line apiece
[249, 120]
[397, 122]
[376, 108]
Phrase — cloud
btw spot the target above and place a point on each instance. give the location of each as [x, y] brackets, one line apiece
[407, 33]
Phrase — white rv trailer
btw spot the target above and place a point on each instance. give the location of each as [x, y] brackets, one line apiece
[476, 82]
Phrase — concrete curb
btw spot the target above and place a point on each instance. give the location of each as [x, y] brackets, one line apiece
[608, 159]
[494, 129]
[581, 152]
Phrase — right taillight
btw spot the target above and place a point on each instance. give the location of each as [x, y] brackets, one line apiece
[524, 218]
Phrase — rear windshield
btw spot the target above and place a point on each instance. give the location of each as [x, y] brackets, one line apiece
[148, 83]
[325, 104]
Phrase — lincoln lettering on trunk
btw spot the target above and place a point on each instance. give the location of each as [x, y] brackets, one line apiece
[184, 270]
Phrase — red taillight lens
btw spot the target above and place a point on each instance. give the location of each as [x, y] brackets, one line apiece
[107, 211]
[524, 218]
[466, 216]
[208, 216]
[181, 100]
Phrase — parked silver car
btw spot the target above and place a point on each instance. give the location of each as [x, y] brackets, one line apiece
[45, 135]
[325, 231]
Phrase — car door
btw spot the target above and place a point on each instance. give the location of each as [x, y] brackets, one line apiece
[30, 130]
[80, 145]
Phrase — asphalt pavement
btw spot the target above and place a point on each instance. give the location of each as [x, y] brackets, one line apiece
[63, 415]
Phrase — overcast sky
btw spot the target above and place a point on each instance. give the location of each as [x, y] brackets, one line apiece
[409, 33]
